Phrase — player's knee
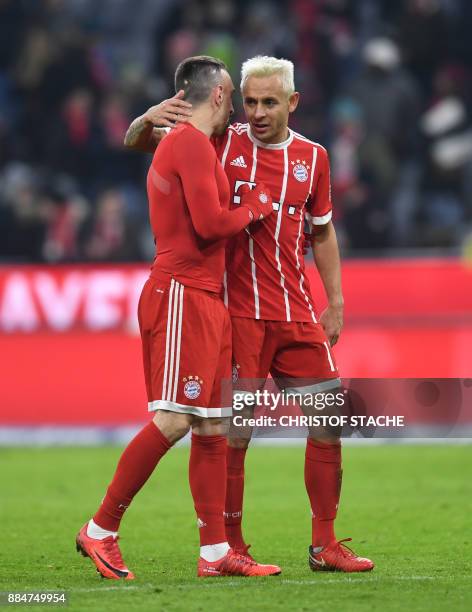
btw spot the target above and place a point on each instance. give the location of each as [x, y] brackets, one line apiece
[211, 426]
[172, 425]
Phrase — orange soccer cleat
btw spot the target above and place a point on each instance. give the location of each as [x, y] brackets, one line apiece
[235, 564]
[105, 554]
[244, 551]
[337, 557]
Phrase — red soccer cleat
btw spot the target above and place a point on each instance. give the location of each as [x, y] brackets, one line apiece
[244, 551]
[105, 554]
[235, 564]
[337, 557]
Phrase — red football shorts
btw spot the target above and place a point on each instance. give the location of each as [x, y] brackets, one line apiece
[186, 341]
[297, 354]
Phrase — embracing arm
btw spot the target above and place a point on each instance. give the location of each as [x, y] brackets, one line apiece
[197, 167]
[145, 132]
[328, 263]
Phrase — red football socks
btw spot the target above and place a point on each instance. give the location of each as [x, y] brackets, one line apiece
[207, 475]
[234, 496]
[135, 466]
[323, 475]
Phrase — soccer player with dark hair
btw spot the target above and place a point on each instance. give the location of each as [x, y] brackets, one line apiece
[274, 325]
[185, 328]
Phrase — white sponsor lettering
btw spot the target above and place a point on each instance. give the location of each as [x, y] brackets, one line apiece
[60, 304]
[18, 311]
[102, 309]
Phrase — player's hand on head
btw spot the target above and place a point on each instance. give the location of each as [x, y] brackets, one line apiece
[170, 112]
[257, 200]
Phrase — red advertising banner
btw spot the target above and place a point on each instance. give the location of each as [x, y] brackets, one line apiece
[70, 349]
[69, 298]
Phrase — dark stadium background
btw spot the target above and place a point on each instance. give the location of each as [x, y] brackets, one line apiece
[386, 87]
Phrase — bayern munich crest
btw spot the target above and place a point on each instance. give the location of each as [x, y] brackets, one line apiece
[263, 197]
[300, 170]
[192, 387]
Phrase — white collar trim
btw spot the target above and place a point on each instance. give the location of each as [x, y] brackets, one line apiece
[263, 145]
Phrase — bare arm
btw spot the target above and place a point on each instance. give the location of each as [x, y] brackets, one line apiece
[328, 263]
[144, 134]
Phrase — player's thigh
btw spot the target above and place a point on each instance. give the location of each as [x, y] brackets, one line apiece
[221, 393]
[253, 352]
[304, 358]
[185, 351]
[152, 316]
[216, 421]
[305, 367]
[202, 355]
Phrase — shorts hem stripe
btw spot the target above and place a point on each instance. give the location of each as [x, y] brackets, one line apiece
[325, 385]
[200, 411]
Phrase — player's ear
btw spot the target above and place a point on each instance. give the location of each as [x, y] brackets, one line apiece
[218, 95]
[293, 101]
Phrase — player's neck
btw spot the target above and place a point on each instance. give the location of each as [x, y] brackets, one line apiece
[202, 120]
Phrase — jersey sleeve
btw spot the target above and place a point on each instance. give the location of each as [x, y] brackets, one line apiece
[320, 208]
[195, 162]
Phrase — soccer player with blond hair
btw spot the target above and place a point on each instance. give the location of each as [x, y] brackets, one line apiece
[275, 328]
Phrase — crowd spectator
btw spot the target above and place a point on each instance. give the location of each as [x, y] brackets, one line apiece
[385, 86]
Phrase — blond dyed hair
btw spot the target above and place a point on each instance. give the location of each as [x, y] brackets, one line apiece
[264, 66]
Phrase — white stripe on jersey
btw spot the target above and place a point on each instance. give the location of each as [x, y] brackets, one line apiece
[254, 278]
[319, 220]
[254, 163]
[325, 218]
[308, 216]
[302, 279]
[322, 220]
[225, 152]
[251, 242]
[277, 232]
[313, 164]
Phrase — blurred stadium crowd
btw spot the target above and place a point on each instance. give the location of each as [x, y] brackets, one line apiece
[386, 86]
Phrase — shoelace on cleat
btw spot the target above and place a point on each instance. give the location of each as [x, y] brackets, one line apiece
[245, 549]
[344, 550]
[239, 559]
[113, 551]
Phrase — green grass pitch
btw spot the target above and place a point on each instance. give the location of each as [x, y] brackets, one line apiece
[409, 508]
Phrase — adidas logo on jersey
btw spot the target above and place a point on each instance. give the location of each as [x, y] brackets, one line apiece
[239, 161]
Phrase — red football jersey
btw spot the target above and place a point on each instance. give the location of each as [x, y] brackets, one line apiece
[189, 210]
[265, 269]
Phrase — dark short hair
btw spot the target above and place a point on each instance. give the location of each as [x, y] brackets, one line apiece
[197, 76]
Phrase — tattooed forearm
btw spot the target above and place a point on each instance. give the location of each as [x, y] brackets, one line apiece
[138, 132]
